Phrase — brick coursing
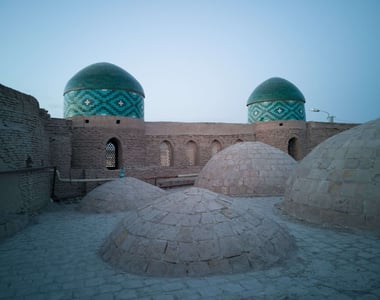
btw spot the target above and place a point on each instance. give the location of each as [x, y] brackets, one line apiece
[76, 146]
[24, 187]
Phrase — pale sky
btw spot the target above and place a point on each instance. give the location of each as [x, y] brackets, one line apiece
[200, 60]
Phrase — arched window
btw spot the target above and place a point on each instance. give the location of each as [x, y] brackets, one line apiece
[215, 147]
[166, 154]
[192, 153]
[238, 141]
[113, 154]
[293, 147]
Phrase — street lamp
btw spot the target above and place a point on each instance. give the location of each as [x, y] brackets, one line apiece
[330, 118]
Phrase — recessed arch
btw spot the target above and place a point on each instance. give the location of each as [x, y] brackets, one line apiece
[216, 146]
[191, 152]
[113, 154]
[293, 147]
[166, 154]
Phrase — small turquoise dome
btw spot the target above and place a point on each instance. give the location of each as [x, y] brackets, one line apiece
[276, 99]
[103, 89]
[275, 89]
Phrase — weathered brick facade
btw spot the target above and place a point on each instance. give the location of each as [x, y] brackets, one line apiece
[24, 157]
[76, 146]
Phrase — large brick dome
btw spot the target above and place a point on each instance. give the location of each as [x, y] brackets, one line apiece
[103, 89]
[195, 233]
[339, 181]
[247, 169]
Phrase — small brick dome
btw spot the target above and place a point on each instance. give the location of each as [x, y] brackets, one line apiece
[339, 181]
[247, 169]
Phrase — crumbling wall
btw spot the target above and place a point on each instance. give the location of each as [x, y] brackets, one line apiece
[24, 156]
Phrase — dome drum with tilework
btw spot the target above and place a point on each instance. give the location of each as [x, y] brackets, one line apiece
[103, 89]
[276, 99]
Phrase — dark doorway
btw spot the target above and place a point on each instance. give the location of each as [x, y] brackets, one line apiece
[293, 148]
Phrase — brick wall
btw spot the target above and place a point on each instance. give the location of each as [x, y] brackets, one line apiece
[202, 134]
[179, 142]
[317, 132]
[76, 146]
[278, 134]
[24, 154]
[141, 144]
[89, 147]
[91, 134]
[60, 134]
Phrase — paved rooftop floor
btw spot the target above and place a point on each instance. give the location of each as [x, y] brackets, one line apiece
[57, 259]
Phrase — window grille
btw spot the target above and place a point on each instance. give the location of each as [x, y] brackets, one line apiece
[111, 155]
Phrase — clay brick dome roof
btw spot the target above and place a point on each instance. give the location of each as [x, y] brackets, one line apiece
[247, 169]
[338, 182]
[121, 194]
[195, 232]
[104, 75]
[275, 89]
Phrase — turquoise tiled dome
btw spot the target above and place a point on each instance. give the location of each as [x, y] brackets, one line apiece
[275, 89]
[103, 89]
[276, 99]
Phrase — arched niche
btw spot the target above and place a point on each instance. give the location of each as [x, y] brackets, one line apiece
[113, 154]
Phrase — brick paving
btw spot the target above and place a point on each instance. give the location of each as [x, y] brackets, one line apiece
[57, 259]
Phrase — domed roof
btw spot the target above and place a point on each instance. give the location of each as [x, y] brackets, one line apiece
[247, 169]
[121, 194]
[339, 181]
[194, 233]
[104, 76]
[275, 89]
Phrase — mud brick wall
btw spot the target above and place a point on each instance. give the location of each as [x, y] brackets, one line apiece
[178, 135]
[278, 134]
[24, 154]
[317, 132]
[91, 134]
[76, 146]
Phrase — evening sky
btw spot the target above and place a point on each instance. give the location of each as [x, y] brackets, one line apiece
[200, 60]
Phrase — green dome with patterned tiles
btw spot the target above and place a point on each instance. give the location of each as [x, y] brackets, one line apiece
[276, 99]
[275, 89]
[103, 89]
[104, 76]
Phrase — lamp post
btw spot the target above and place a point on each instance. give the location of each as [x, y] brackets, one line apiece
[330, 118]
